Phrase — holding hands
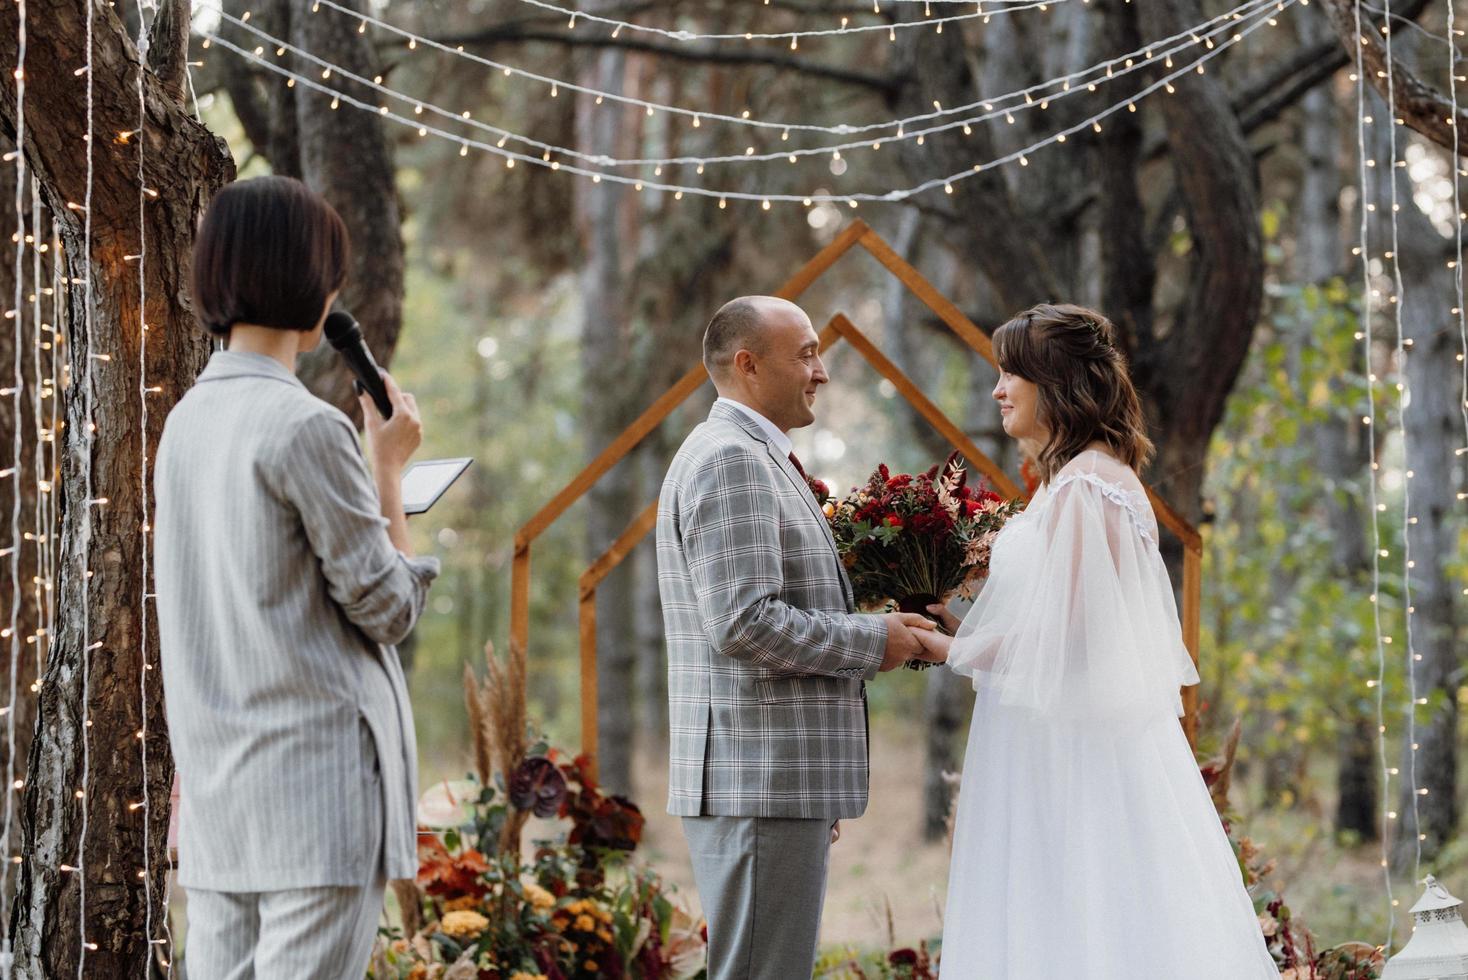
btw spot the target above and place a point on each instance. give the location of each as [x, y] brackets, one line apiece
[912, 637]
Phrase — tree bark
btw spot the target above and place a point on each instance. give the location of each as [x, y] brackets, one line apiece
[1418, 104]
[1187, 376]
[993, 229]
[1433, 429]
[345, 156]
[607, 364]
[1128, 267]
[106, 633]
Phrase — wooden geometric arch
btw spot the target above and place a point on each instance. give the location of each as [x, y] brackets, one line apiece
[839, 327]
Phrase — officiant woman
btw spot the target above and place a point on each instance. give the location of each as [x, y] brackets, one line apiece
[284, 577]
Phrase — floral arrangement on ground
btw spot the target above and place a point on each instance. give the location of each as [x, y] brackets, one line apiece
[574, 908]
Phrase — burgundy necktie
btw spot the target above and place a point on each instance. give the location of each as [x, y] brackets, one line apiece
[795, 462]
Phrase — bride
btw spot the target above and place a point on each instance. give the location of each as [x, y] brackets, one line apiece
[1086, 846]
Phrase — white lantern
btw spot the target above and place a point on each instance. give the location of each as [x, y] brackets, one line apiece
[1438, 949]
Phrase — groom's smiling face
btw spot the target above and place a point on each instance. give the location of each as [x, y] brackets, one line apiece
[787, 372]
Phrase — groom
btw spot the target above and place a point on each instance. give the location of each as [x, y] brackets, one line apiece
[767, 661]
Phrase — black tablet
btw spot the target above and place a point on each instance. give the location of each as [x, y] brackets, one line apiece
[424, 482]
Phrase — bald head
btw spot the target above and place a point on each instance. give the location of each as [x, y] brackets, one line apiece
[746, 323]
[762, 352]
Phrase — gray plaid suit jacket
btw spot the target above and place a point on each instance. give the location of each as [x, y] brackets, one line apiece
[766, 660]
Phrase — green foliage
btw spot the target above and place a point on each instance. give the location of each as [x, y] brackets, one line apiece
[495, 388]
[907, 963]
[1289, 635]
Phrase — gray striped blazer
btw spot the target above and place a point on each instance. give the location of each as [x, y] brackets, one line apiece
[279, 599]
[766, 660]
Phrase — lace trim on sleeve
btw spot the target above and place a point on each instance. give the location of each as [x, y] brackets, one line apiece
[1128, 500]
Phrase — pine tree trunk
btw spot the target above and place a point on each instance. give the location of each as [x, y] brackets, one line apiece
[95, 921]
[607, 365]
[1433, 430]
[346, 158]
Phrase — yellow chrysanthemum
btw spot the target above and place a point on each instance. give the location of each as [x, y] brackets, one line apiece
[585, 923]
[538, 897]
[463, 924]
[522, 975]
[460, 904]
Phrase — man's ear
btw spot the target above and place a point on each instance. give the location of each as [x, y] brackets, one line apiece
[746, 364]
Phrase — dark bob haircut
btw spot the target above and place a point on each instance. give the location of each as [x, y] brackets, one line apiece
[269, 252]
[1084, 392]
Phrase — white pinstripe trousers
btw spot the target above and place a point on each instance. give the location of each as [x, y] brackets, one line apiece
[295, 934]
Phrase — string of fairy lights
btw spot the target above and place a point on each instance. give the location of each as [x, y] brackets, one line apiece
[1036, 97]
[86, 439]
[1456, 262]
[1208, 40]
[1401, 350]
[1364, 335]
[575, 17]
[12, 631]
[413, 41]
[1403, 344]
[1164, 82]
[144, 390]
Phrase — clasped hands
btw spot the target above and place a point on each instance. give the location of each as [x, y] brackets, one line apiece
[911, 636]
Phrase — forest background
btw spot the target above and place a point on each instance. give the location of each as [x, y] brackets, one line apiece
[535, 314]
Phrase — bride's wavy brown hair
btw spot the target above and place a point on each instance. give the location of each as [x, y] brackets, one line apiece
[1085, 394]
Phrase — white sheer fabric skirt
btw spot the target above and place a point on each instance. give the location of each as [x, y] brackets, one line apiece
[1091, 852]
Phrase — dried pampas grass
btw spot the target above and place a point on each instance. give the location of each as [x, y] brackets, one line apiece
[498, 725]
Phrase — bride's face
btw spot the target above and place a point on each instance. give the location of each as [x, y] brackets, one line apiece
[1019, 401]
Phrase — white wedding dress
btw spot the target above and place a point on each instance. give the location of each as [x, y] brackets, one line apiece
[1086, 846]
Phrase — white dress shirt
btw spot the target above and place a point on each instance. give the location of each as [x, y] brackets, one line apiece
[778, 439]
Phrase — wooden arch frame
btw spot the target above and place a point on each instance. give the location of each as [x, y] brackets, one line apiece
[855, 234]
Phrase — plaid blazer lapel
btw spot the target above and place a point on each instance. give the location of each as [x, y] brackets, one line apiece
[752, 429]
[795, 477]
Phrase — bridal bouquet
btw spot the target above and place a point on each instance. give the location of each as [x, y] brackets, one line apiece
[917, 540]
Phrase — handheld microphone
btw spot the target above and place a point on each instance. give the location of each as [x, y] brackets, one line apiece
[343, 333]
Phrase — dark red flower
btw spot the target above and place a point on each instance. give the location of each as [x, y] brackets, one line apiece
[903, 957]
[538, 786]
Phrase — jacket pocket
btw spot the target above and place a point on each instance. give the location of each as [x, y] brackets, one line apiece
[785, 690]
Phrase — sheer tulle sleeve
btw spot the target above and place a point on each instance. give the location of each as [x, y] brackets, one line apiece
[1078, 618]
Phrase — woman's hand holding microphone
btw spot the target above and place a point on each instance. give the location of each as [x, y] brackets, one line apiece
[391, 443]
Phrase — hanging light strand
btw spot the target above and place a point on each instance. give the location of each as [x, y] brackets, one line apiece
[1035, 97]
[415, 41]
[1403, 345]
[618, 26]
[145, 542]
[1364, 335]
[85, 440]
[1164, 82]
[17, 391]
[1457, 262]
